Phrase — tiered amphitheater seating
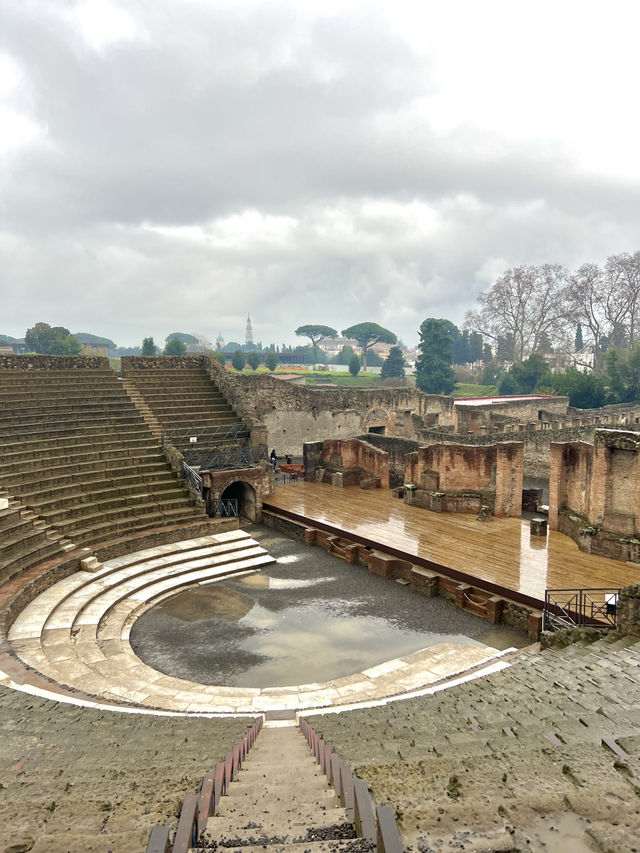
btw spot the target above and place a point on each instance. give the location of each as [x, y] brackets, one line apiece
[82, 779]
[74, 449]
[26, 540]
[546, 736]
[73, 632]
[184, 400]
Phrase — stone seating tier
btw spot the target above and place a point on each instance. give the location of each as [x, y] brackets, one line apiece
[182, 397]
[125, 483]
[98, 780]
[534, 735]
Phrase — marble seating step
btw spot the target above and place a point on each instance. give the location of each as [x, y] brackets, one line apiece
[57, 634]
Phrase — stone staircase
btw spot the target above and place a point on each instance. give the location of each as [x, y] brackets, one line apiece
[76, 631]
[280, 801]
[556, 733]
[184, 401]
[75, 451]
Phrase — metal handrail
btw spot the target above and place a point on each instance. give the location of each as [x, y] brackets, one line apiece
[236, 457]
[197, 808]
[192, 477]
[569, 608]
[380, 830]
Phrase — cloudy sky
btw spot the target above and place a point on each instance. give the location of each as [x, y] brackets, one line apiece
[171, 165]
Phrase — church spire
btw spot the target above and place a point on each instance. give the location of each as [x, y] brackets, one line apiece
[249, 331]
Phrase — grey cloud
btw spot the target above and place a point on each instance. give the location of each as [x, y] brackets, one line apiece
[214, 111]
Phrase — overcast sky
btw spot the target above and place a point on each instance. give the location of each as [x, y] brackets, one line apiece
[170, 165]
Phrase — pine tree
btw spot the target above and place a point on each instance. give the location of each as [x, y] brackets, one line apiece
[579, 344]
[434, 374]
[394, 364]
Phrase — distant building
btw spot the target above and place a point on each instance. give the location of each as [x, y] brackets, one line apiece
[219, 342]
[249, 331]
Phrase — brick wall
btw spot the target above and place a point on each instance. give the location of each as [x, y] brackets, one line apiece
[490, 474]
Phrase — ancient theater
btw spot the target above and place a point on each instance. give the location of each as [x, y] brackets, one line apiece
[413, 626]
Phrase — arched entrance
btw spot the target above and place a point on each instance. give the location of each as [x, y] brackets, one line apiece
[246, 497]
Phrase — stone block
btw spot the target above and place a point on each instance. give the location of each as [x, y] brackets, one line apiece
[424, 581]
[538, 526]
[310, 536]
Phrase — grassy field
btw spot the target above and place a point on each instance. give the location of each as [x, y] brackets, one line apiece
[467, 389]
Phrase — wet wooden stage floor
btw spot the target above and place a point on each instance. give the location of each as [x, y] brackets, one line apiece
[500, 552]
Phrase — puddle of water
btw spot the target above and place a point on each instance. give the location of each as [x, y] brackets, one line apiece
[206, 603]
[288, 558]
[296, 627]
[565, 832]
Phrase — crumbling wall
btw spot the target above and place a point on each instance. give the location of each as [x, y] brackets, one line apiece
[298, 414]
[462, 478]
[346, 462]
[594, 493]
[397, 448]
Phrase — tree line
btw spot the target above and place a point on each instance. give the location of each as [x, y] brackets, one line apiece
[540, 308]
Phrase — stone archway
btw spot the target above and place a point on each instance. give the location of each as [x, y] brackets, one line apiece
[378, 421]
[245, 494]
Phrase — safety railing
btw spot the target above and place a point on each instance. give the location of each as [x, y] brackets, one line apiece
[198, 808]
[380, 829]
[571, 608]
[233, 457]
[192, 477]
[227, 508]
[206, 433]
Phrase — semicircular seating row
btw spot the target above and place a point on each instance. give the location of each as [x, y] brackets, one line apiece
[76, 633]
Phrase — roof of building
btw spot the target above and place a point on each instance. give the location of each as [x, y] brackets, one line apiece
[485, 401]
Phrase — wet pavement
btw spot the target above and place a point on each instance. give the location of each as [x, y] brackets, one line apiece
[308, 618]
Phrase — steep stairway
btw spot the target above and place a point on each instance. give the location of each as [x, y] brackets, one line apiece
[280, 801]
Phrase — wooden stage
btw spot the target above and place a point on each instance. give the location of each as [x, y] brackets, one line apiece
[499, 552]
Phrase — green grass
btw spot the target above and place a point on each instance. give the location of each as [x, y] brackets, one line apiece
[362, 380]
[467, 389]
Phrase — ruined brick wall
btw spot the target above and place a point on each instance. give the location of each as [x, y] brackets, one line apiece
[53, 362]
[342, 455]
[571, 465]
[397, 448]
[473, 418]
[298, 414]
[494, 473]
[594, 493]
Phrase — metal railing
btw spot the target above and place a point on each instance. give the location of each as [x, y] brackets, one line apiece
[198, 808]
[205, 433]
[234, 457]
[380, 830]
[571, 608]
[227, 508]
[192, 477]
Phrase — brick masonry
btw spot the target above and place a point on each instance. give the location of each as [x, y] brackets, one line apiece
[462, 478]
[594, 493]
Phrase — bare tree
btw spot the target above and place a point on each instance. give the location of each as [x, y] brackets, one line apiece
[525, 303]
[623, 275]
[587, 299]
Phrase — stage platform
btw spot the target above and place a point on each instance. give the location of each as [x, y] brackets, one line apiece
[499, 554]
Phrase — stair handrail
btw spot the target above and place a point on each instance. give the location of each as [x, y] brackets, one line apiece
[198, 808]
[381, 829]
